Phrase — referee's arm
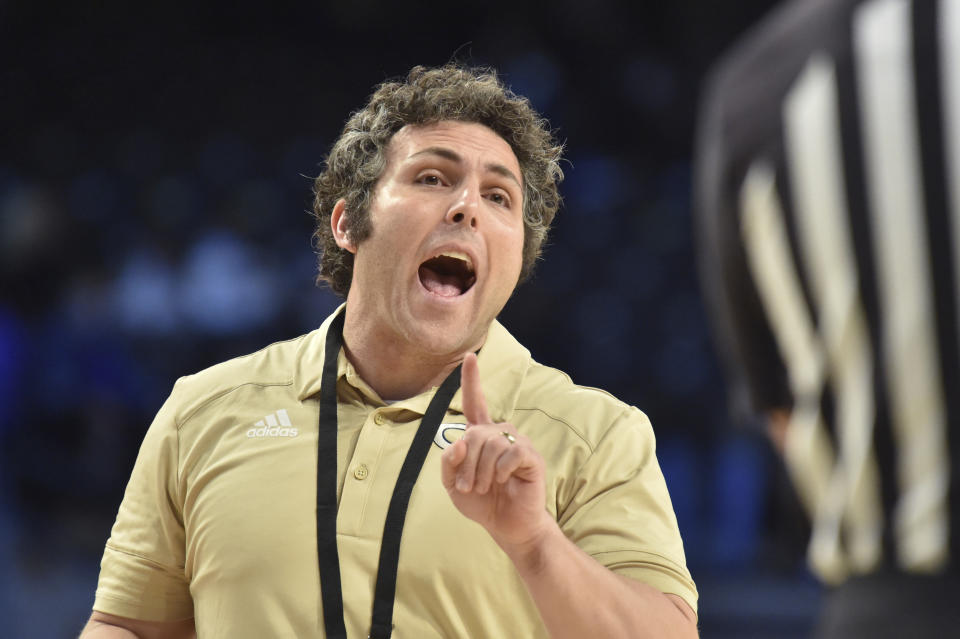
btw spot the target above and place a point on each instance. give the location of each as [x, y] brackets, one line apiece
[735, 127]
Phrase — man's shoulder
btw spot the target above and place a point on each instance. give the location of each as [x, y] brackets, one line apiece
[587, 410]
[273, 365]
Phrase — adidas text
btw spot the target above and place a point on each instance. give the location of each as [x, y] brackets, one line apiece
[272, 432]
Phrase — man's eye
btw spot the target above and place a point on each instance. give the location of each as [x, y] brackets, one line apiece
[499, 198]
[430, 180]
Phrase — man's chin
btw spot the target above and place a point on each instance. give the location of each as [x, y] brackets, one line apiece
[448, 336]
[448, 345]
[450, 327]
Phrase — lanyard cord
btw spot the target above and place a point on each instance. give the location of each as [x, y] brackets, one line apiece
[330, 587]
[381, 625]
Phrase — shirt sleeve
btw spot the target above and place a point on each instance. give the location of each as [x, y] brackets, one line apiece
[619, 511]
[142, 571]
[741, 122]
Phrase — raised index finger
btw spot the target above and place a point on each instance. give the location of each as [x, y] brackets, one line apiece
[474, 403]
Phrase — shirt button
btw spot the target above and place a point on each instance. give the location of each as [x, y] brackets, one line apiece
[361, 472]
[378, 419]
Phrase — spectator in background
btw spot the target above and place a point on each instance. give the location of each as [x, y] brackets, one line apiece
[828, 204]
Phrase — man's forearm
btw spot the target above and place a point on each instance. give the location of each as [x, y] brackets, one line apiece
[104, 626]
[577, 597]
[100, 630]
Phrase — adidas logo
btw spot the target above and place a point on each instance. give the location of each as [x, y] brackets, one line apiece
[274, 425]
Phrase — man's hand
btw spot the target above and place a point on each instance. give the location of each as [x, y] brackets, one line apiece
[495, 480]
[499, 483]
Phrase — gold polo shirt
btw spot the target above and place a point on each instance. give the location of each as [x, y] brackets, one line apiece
[218, 520]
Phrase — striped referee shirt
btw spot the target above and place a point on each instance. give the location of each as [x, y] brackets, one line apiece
[828, 206]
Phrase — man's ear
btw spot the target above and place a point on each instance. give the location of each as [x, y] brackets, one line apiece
[338, 224]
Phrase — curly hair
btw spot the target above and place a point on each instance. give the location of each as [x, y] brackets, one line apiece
[448, 93]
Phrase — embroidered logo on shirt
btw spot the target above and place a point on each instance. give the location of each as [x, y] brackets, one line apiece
[448, 433]
[274, 425]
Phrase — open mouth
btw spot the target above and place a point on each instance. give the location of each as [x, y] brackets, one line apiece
[448, 275]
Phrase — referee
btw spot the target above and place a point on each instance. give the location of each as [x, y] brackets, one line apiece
[828, 206]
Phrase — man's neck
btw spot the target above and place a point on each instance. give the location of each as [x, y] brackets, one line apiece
[392, 367]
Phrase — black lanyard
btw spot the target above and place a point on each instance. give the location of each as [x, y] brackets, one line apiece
[381, 625]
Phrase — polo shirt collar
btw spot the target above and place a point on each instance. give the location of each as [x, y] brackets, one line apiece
[503, 365]
[308, 367]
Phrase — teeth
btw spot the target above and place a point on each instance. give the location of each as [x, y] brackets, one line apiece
[458, 256]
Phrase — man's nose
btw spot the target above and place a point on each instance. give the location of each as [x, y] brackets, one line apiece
[465, 207]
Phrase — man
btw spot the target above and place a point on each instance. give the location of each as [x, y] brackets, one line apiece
[829, 227]
[528, 506]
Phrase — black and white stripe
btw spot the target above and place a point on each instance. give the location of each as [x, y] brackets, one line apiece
[837, 189]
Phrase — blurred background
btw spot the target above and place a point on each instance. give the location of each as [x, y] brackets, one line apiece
[155, 182]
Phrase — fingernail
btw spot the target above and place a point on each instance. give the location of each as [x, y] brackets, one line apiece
[462, 485]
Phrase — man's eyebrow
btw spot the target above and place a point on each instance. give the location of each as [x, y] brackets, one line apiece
[443, 152]
[504, 171]
[453, 156]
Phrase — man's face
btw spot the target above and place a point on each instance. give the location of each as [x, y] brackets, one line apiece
[447, 242]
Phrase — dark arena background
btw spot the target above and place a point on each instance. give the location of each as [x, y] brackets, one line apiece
[154, 195]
